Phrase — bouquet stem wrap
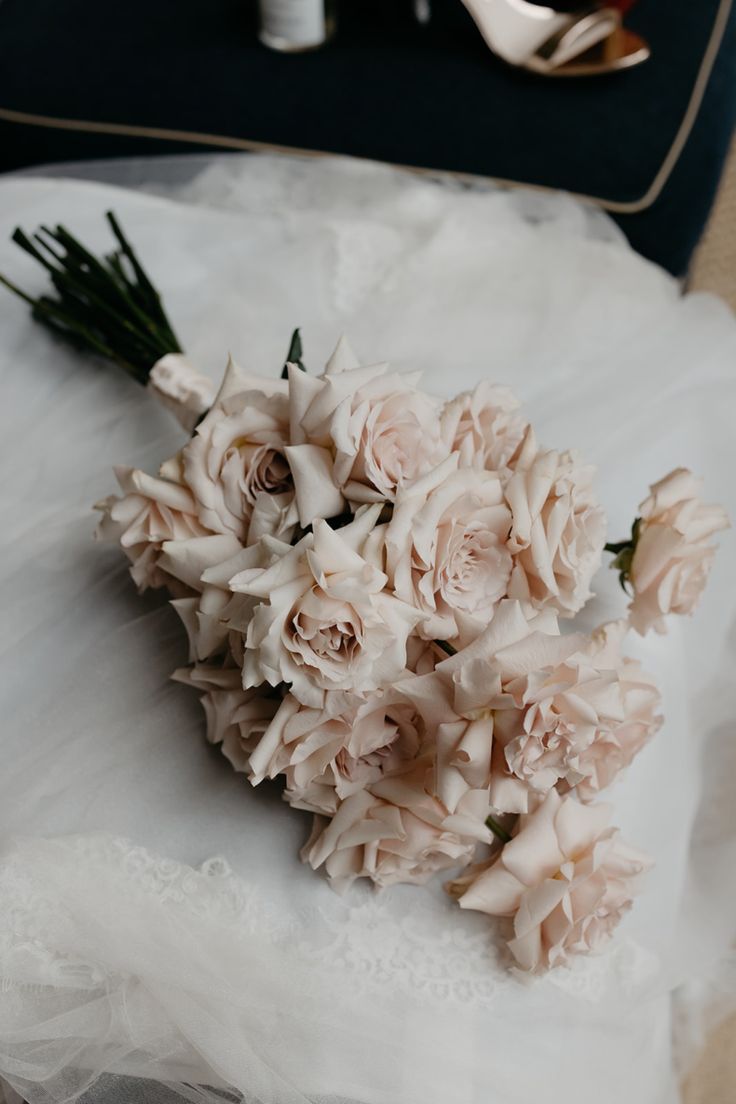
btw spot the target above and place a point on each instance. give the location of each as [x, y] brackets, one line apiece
[180, 388]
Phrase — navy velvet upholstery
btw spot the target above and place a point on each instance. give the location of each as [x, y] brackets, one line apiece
[386, 88]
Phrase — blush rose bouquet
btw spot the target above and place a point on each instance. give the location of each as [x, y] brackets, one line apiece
[373, 582]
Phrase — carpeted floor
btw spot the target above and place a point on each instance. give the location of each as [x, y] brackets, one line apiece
[713, 1078]
[714, 264]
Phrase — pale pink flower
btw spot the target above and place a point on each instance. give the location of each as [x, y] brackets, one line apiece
[209, 611]
[325, 621]
[674, 553]
[573, 718]
[326, 756]
[483, 426]
[446, 550]
[458, 702]
[150, 512]
[422, 655]
[394, 832]
[238, 452]
[461, 741]
[236, 718]
[557, 531]
[373, 431]
[273, 515]
[565, 878]
[614, 748]
[522, 710]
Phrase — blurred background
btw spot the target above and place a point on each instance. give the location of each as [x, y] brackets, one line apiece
[629, 106]
[424, 83]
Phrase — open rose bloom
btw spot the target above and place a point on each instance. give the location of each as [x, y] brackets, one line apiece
[374, 583]
[674, 552]
[565, 879]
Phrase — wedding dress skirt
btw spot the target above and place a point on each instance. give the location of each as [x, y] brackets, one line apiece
[155, 921]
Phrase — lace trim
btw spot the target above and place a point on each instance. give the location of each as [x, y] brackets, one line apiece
[458, 958]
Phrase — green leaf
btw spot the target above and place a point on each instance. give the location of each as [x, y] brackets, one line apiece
[294, 355]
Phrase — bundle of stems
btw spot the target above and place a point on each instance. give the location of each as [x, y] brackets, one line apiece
[107, 306]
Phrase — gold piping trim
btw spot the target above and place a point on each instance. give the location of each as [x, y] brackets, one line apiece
[222, 141]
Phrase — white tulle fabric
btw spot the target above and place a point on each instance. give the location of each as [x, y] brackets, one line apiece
[127, 951]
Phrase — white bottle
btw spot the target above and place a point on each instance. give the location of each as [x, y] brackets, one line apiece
[292, 25]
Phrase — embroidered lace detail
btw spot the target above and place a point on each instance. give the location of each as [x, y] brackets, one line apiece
[439, 952]
[369, 939]
[26, 950]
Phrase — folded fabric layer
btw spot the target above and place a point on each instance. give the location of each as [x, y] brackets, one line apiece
[126, 963]
[133, 959]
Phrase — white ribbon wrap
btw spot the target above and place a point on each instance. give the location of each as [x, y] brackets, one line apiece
[181, 389]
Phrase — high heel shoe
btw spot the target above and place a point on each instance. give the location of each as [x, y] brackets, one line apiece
[553, 43]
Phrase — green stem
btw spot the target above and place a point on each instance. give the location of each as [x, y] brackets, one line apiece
[151, 296]
[107, 306]
[16, 290]
[623, 555]
[498, 829]
[119, 290]
[446, 647]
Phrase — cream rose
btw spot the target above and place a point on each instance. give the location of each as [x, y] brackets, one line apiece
[209, 612]
[326, 756]
[523, 710]
[673, 553]
[395, 832]
[615, 748]
[238, 452]
[325, 621]
[236, 718]
[557, 531]
[150, 512]
[483, 426]
[566, 879]
[446, 550]
[457, 701]
[573, 718]
[373, 430]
